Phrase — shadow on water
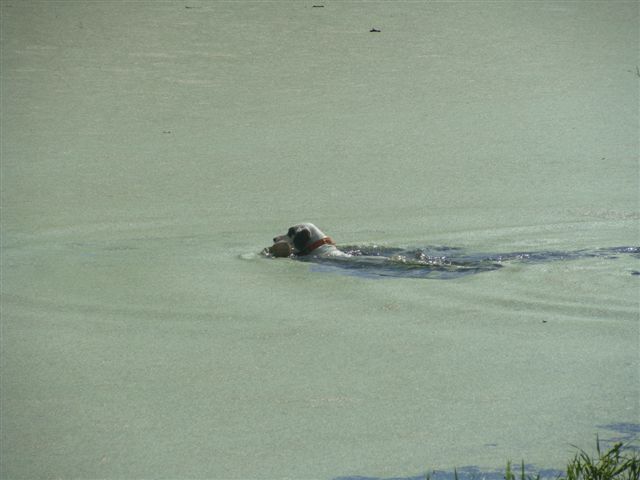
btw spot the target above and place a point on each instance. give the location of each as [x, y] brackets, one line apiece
[628, 434]
[467, 473]
[444, 262]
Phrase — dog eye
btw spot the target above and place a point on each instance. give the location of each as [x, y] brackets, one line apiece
[291, 232]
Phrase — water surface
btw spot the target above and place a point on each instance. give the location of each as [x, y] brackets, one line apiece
[148, 147]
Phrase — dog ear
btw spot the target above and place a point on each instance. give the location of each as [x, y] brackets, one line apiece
[301, 238]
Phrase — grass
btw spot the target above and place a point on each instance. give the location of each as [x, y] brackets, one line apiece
[616, 463]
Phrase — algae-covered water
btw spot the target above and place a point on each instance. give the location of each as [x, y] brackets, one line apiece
[150, 150]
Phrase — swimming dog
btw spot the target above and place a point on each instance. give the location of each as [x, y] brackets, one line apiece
[305, 239]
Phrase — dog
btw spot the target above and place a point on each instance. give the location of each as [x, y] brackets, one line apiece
[307, 240]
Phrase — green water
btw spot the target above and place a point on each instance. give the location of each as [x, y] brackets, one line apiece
[150, 150]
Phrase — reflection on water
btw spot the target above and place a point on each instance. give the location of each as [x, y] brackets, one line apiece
[444, 262]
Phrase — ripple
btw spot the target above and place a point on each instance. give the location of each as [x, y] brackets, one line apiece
[444, 262]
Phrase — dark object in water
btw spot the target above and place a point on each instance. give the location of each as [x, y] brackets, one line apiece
[375, 30]
[443, 262]
[317, 6]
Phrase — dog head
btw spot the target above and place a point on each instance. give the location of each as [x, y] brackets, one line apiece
[303, 238]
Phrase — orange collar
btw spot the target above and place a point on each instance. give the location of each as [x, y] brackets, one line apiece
[314, 245]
